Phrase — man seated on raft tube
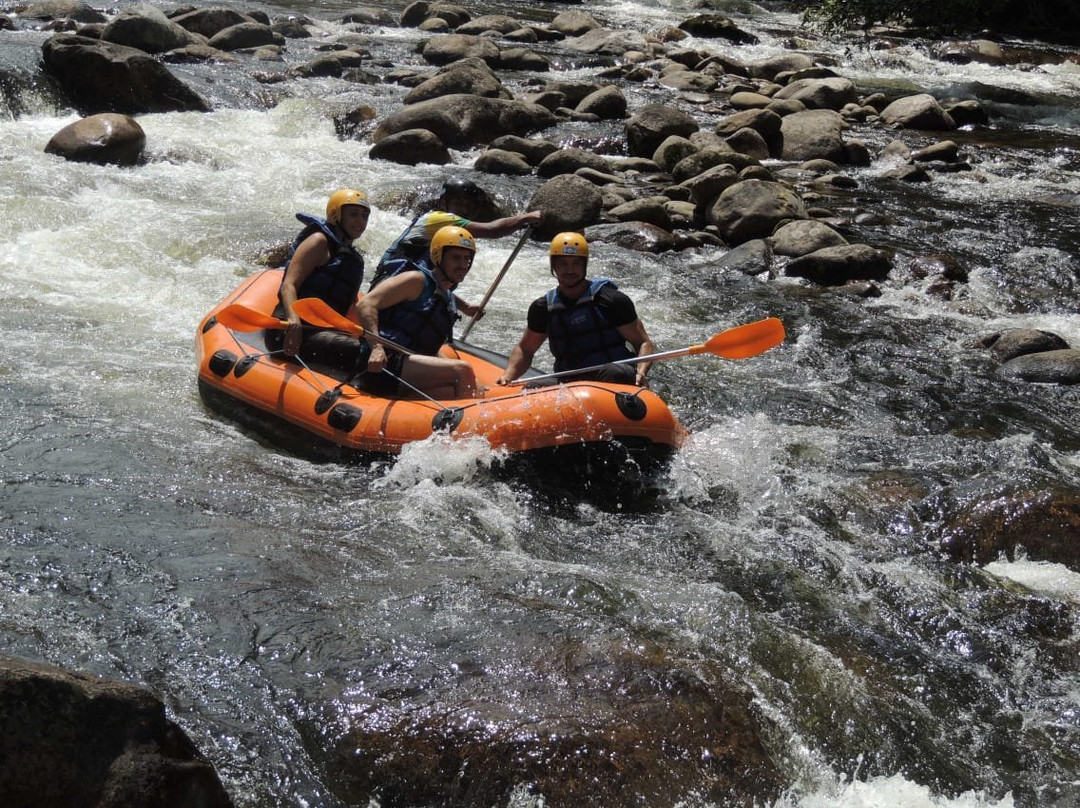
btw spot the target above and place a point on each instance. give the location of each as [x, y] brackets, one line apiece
[586, 322]
[414, 306]
[324, 264]
[459, 204]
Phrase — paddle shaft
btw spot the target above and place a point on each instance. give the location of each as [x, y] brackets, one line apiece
[498, 279]
[740, 342]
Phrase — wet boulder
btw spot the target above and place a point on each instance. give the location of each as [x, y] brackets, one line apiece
[446, 48]
[462, 121]
[773, 66]
[500, 161]
[74, 739]
[703, 188]
[105, 138]
[836, 266]
[104, 77]
[804, 237]
[522, 59]
[752, 209]
[209, 21]
[827, 93]
[634, 235]
[574, 23]
[647, 128]
[603, 726]
[753, 257]
[470, 76]
[245, 35]
[147, 28]
[605, 42]
[672, 150]
[499, 23]
[411, 147]
[416, 13]
[717, 26]
[1043, 524]
[1006, 345]
[650, 209]
[567, 161]
[921, 111]
[749, 142]
[1047, 367]
[568, 202]
[816, 133]
[532, 149]
[606, 103]
[63, 10]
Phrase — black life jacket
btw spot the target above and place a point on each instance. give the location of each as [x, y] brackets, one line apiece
[337, 282]
[579, 334]
[424, 324]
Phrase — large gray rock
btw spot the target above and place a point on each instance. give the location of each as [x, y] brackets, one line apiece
[411, 147]
[463, 121]
[103, 139]
[567, 161]
[1049, 367]
[209, 21]
[146, 27]
[103, 77]
[637, 236]
[63, 10]
[804, 237]
[752, 209]
[447, 48]
[568, 202]
[574, 23]
[652, 124]
[245, 35]
[602, 41]
[606, 103]
[1006, 345]
[835, 266]
[471, 76]
[920, 111]
[829, 93]
[717, 26]
[416, 13]
[69, 739]
[816, 133]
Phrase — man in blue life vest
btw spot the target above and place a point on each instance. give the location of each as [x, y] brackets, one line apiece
[324, 264]
[460, 202]
[415, 307]
[586, 323]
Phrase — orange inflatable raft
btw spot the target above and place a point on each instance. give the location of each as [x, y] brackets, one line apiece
[319, 408]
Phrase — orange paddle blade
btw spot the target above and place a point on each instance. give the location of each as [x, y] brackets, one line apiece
[745, 341]
[239, 317]
[316, 312]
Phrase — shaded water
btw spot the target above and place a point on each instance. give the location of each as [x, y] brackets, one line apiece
[794, 557]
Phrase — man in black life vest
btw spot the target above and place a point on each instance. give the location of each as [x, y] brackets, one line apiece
[586, 323]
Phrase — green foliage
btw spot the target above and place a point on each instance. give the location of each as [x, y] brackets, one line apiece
[1051, 19]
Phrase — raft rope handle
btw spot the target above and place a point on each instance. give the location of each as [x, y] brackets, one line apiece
[418, 391]
[297, 358]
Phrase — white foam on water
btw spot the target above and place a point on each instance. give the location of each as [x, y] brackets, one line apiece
[887, 792]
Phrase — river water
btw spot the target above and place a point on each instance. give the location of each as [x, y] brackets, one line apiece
[794, 555]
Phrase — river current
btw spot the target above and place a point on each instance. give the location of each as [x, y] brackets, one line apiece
[794, 551]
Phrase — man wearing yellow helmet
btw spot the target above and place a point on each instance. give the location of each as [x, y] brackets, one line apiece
[324, 264]
[461, 202]
[416, 308]
[586, 323]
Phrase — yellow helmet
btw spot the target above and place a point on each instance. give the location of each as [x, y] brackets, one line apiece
[570, 244]
[341, 198]
[450, 236]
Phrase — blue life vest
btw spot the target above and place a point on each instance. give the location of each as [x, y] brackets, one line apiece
[337, 282]
[579, 334]
[424, 324]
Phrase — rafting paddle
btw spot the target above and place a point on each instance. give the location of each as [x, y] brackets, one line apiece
[740, 342]
[316, 312]
[239, 317]
[498, 279]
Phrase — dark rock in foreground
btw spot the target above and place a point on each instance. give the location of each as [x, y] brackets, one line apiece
[69, 739]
